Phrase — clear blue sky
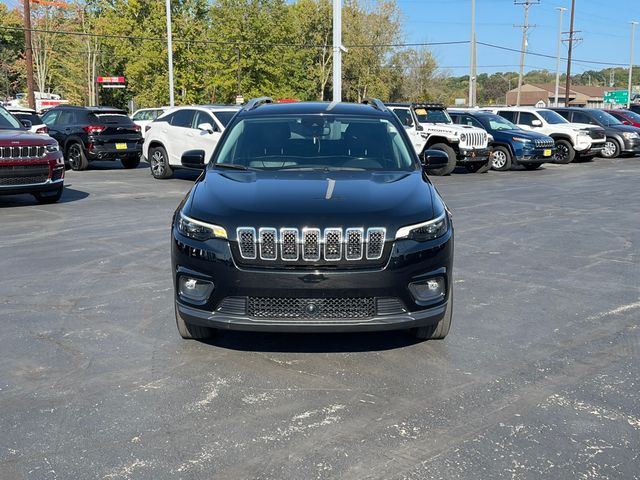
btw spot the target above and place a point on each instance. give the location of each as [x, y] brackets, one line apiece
[604, 26]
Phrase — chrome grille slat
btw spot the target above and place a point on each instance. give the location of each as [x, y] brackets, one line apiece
[22, 152]
[311, 245]
[375, 243]
[289, 244]
[332, 244]
[267, 238]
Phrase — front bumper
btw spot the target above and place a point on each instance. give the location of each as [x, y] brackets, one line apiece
[32, 175]
[592, 151]
[470, 155]
[631, 146]
[396, 308]
[535, 155]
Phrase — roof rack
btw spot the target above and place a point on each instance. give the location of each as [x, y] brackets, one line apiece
[256, 102]
[375, 103]
[428, 105]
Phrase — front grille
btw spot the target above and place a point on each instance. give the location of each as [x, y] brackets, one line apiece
[23, 174]
[22, 152]
[475, 139]
[544, 143]
[311, 308]
[289, 245]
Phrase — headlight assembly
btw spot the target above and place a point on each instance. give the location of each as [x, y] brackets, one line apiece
[630, 135]
[425, 231]
[463, 137]
[520, 139]
[198, 230]
[52, 147]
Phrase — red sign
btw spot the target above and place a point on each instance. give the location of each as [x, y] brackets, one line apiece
[109, 79]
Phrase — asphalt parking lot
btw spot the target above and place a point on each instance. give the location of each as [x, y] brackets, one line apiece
[538, 378]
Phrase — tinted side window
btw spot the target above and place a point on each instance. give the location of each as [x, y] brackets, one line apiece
[67, 117]
[579, 117]
[469, 120]
[182, 118]
[618, 116]
[563, 113]
[527, 118]
[404, 115]
[50, 118]
[509, 115]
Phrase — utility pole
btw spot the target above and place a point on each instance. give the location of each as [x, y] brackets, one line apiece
[525, 29]
[633, 32]
[170, 53]
[337, 50]
[571, 33]
[473, 73]
[28, 54]
[561, 10]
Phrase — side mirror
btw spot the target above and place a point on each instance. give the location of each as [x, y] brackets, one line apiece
[193, 159]
[434, 159]
[26, 123]
[206, 127]
[536, 123]
[408, 122]
[419, 128]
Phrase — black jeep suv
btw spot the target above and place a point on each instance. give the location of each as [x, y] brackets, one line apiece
[313, 217]
[94, 133]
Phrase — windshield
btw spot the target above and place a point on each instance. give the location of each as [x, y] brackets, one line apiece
[496, 122]
[32, 117]
[605, 118]
[314, 142]
[551, 117]
[8, 121]
[432, 116]
[633, 116]
[224, 117]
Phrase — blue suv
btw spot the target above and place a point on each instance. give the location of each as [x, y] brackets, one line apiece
[512, 145]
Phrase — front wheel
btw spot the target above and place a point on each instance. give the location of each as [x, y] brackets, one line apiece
[501, 159]
[611, 149]
[189, 331]
[131, 162]
[451, 164]
[76, 157]
[564, 152]
[159, 163]
[49, 197]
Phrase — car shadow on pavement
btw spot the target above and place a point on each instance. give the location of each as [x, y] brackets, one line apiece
[27, 200]
[312, 342]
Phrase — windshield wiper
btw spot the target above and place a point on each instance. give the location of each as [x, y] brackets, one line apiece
[296, 168]
[232, 166]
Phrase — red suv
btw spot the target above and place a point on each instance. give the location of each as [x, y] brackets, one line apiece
[626, 116]
[29, 162]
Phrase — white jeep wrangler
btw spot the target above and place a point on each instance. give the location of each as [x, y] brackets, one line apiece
[572, 139]
[430, 126]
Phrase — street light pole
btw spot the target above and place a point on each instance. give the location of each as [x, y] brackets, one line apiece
[633, 32]
[170, 53]
[337, 50]
[473, 73]
[567, 85]
[28, 54]
[560, 10]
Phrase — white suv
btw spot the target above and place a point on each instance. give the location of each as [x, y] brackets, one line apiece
[197, 127]
[145, 116]
[430, 126]
[571, 138]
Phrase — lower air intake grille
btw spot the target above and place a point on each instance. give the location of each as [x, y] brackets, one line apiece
[262, 307]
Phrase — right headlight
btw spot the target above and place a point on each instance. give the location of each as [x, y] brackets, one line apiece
[198, 230]
[426, 230]
[520, 139]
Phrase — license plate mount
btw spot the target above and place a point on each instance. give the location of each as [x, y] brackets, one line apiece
[121, 146]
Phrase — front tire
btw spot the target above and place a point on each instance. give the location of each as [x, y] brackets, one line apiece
[131, 162]
[76, 157]
[611, 148]
[159, 163]
[189, 331]
[441, 329]
[564, 152]
[531, 166]
[49, 197]
[501, 159]
[451, 165]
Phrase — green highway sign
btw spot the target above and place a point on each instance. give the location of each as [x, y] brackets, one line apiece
[616, 96]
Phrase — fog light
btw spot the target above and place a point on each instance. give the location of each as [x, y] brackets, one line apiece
[194, 289]
[428, 290]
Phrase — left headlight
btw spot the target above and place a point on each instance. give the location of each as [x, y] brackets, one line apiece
[52, 147]
[426, 230]
[520, 139]
[630, 135]
[198, 230]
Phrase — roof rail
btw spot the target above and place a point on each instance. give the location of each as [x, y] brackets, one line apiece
[375, 103]
[256, 102]
[428, 105]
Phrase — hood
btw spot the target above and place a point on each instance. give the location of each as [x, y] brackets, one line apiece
[519, 133]
[580, 126]
[304, 199]
[19, 138]
[621, 128]
[451, 127]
